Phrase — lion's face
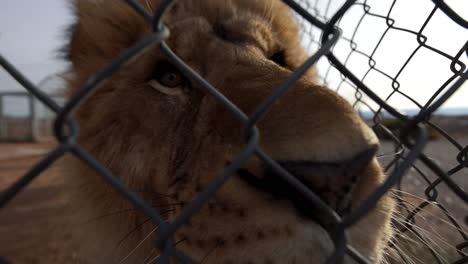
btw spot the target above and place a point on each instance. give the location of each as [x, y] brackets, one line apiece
[167, 139]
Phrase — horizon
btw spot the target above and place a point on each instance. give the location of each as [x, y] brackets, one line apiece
[18, 107]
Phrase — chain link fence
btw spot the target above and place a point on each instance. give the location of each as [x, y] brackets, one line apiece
[321, 25]
[413, 243]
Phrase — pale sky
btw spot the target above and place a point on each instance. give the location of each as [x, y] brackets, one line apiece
[425, 72]
[31, 32]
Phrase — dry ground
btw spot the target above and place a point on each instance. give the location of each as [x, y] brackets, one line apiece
[434, 228]
[31, 227]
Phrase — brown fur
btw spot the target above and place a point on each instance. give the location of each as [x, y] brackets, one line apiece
[146, 138]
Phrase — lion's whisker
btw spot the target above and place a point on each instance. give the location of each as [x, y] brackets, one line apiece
[431, 236]
[129, 210]
[407, 193]
[180, 241]
[153, 259]
[169, 204]
[149, 256]
[209, 253]
[400, 251]
[427, 212]
[149, 6]
[140, 191]
[428, 239]
[138, 226]
[413, 207]
[411, 257]
[147, 260]
[139, 245]
[405, 222]
[391, 244]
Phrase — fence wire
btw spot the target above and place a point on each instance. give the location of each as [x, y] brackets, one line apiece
[322, 29]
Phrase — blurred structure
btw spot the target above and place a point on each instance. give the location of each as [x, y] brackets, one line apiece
[23, 118]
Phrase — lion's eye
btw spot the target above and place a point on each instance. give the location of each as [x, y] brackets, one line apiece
[167, 79]
[171, 79]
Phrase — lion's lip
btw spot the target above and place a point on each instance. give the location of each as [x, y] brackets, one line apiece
[281, 190]
[334, 182]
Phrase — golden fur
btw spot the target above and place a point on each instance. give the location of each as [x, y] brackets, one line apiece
[148, 138]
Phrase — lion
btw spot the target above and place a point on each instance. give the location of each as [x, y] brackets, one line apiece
[166, 139]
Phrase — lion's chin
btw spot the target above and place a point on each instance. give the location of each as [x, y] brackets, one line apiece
[280, 239]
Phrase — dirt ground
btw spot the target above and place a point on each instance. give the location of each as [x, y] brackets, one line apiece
[31, 226]
[433, 228]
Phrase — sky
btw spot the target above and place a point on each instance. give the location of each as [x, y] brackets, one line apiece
[31, 32]
[425, 72]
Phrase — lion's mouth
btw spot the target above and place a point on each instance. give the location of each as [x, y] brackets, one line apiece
[334, 183]
[279, 189]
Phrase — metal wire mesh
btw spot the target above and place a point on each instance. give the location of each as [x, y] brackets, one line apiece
[410, 142]
[429, 173]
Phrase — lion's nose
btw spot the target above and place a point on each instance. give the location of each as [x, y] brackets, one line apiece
[333, 182]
